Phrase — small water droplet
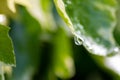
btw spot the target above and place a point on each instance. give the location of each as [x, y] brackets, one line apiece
[78, 41]
[79, 26]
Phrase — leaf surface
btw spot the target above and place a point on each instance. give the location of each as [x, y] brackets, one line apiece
[6, 47]
[92, 23]
[63, 58]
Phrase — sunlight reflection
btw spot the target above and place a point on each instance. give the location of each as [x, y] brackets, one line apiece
[113, 63]
[3, 19]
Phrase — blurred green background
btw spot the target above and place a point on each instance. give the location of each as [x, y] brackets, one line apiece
[45, 48]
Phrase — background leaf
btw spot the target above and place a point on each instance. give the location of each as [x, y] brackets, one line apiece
[63, 63]
[7, 7]
[6, 48]
[26, 41]
[117, 28]
[42, 11]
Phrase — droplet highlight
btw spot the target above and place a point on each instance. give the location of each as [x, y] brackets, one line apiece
[78, 41]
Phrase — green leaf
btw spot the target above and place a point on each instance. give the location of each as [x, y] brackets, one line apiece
[7, 7]
[92, 23]
[63, 59]
[41, 10]
[26, 37]
[11, 5]
[117, 28]
[6, 48]
[23, 2]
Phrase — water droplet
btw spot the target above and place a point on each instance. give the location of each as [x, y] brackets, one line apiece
[88, 45]
[78, 41]
[94, 45]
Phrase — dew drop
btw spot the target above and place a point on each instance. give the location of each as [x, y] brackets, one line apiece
[78, 41]
[88, 45]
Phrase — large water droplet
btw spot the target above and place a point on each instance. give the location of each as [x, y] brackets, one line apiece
[78, 41]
